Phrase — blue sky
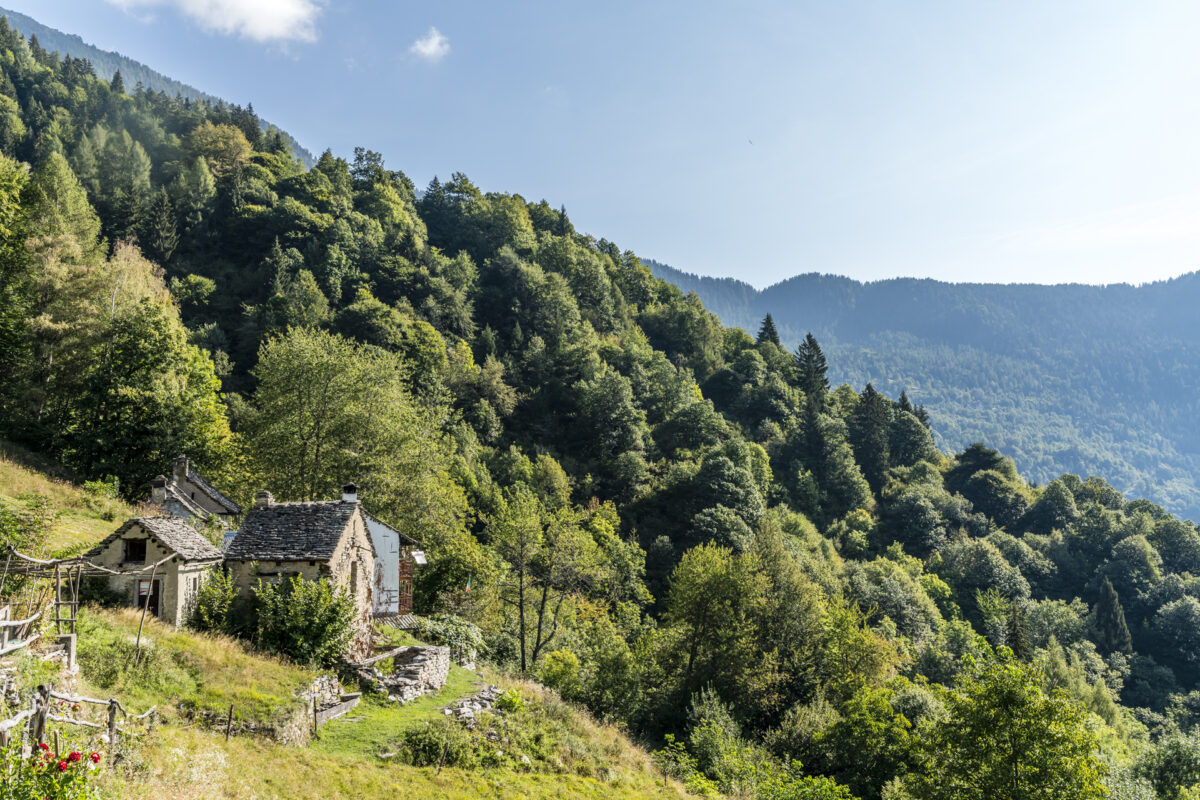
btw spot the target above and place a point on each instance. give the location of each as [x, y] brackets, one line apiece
[993, 141]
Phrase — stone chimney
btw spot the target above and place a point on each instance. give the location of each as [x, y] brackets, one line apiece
[264, 499]
[349, 493]
[158, 490]
[180, 471]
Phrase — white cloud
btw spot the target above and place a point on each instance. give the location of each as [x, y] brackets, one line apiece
[261, 20]
[433, 46]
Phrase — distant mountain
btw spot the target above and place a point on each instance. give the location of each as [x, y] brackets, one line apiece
[1086, 379]
[106, 63]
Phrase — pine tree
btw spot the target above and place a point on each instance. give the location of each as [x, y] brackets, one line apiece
[811, 367]
[118, 83]
[160, 236]
[767, 332]
[1017, 632]
[1112, 634]
[869, 434]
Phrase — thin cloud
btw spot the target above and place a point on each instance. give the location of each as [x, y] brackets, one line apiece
[433, 46]
[260, 20]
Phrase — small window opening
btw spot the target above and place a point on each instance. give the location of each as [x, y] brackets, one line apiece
[135, 551]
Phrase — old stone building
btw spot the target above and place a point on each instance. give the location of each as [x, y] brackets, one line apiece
[312, 540]
[396, 556]
[187, 495]
[169, 590]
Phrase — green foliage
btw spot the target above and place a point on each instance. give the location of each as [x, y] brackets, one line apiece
[215, 603]
[1003, 737]
[47, 775]
[311, 622]
[464, 638]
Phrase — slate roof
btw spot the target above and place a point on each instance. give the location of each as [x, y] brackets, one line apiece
[210, 490]
[173, 533]
[292, 531]
[188, 503]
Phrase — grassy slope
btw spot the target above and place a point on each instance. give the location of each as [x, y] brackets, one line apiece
[181, 760]
[79, 519]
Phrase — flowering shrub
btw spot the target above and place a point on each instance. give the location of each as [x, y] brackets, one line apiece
[47, 775]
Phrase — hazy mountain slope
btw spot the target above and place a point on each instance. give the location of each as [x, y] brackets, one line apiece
[1084, 379]
[106, 63]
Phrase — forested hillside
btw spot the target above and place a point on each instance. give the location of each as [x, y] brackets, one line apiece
[106, 64]
[1095, 380]
[780, 584]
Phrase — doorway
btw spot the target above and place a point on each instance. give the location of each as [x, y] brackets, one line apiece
[151, 588]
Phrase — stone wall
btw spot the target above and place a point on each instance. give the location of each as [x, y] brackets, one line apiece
[417, 671]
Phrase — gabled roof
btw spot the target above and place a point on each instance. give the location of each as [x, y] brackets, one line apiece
[172, 532]
[210, 490]
[188, 503]
[292, 531]
[405, 538]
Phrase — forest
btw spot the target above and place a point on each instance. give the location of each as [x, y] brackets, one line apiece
[1094, 380]
[780, 584]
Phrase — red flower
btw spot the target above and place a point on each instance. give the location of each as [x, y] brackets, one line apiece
[62, 766]
[44, 746]
[95, 758]
[74, 757]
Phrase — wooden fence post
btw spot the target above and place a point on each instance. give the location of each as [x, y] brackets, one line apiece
[149, 590]
[229, 723]
[112, 732]
[38, 725]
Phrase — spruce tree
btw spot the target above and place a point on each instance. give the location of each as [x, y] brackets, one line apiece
[767, 332]
[118, 83]
[811, 369]
[869, 435]
[1112, 634]
[1017, 632]
[160, 236]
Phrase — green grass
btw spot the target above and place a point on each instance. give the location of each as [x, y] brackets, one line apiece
[381, 721]
[185, 669]
[80, 519]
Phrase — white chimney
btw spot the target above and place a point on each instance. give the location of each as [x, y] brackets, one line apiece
[158, 490]
[264, 499]
[349, 493]
[181, 469]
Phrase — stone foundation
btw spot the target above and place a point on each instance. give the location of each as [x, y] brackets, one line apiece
[417, 671]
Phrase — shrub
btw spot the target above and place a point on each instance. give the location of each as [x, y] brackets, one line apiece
[213, 604]
[108, 488]
[440, 742]
[464, 639]
[47, 775]
[560, 671]
[510, 700]
[308, 621]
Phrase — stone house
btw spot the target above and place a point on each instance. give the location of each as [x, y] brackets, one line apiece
[187, 495]
[396, 555]
[170, 590]
[311, 540]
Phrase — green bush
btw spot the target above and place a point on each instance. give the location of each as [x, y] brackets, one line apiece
[440, 742]
[214, 604]
[109, 488]
[510, 700]
[310, 622]
[46, 775]
[464, 639]
[560, 671]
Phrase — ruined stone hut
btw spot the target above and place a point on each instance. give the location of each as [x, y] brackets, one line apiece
[142, 541]
[187, 495]
[311, 540]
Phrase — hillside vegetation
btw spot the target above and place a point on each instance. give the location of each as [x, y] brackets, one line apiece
[781, 586]
[1091, 380]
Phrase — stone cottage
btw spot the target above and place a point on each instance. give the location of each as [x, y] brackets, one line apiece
[312, 540]
[396, 555]
[187, 495]
[171, 590]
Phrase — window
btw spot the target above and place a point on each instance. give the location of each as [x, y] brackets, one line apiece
[135, 551]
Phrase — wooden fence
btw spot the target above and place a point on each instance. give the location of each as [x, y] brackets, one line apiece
[34, 719]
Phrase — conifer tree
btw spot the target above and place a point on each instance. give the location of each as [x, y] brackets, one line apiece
[811, 367]
[1112, 634]
[160, 236]
[118, 83]
[1017, 632]
[869, 431]
[767, 332]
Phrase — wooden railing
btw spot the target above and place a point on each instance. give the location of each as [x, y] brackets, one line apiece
[38, 715]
